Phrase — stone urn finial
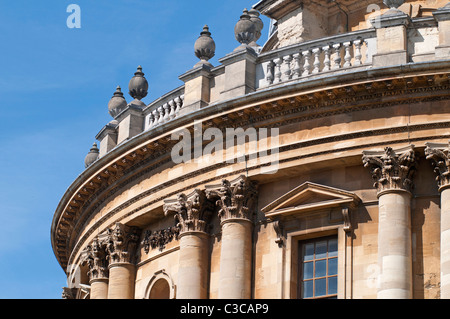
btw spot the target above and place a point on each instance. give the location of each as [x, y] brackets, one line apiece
[204, 47]
[117, 103]
[393, 4]
[245, 30]
[92, 156]
[138, 86]
[259, 24]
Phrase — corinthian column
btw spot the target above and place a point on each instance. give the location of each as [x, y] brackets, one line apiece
[236, 202]
[121, 247]
[192, 213]
[393, 171]
[95, 257]
[439, 156]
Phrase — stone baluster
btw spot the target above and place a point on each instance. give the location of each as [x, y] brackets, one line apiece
[122, 243]
[155, 117]
[326, 60]
[161, 115]
[236, 202]
[358, 54]
[166, 108]
[336, 56]
[316, 53]
[178, 103]
[278, 72]
[297, 69]
[393, 171]
[172, 113]
[286, 68]
[348, 55]
[151, 120]
[192, 213]
[270, 74]
[439, 155]
[306, 63]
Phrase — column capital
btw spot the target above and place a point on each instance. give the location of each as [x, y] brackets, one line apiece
[95, 256]
[392, 169]
[121, 244]
[192, 211]
[438, 153]
[235, 199]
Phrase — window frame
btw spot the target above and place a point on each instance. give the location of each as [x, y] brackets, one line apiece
[301, 262]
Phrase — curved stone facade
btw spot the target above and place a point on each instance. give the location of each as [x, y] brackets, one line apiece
[221, 188]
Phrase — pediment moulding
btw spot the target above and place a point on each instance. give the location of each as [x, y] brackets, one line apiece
[102, 178]
[310, 198]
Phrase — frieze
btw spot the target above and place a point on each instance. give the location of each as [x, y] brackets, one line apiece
[159, 238]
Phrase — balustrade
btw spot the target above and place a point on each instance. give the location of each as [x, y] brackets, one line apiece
[318, 56]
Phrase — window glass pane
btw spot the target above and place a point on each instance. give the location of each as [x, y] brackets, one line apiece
[308, 289]
[320, 287]
[332, 285]
[332, 248]
[308, 253]
[321, 249]
[321, 268]
[332, 266]
[308, 270]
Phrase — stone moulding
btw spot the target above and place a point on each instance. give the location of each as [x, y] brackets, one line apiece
[107, 174]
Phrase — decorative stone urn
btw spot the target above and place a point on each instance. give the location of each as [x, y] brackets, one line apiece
[117, 103]
[393, 4]
[245, 30]
[204, 47]
[138, 87]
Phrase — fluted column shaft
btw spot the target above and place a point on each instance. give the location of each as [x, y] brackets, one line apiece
[392, 171]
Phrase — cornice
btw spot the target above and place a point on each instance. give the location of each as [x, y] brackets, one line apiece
[274, 106]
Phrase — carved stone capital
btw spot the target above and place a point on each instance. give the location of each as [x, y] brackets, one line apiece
[95, 257]
[192, 212]
[234, 199]
[121, 243]
[438, 153]
[392, 169]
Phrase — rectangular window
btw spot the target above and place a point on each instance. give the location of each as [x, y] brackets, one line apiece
[318, 268]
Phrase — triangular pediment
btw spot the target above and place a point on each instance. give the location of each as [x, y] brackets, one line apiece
[310, 197]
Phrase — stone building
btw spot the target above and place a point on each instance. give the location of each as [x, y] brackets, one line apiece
[314, 165]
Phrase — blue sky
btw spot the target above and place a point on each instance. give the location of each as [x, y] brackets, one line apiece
[55, 85]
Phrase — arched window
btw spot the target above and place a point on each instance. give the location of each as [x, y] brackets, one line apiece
[160, 286]
[160, 290]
